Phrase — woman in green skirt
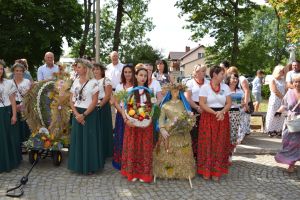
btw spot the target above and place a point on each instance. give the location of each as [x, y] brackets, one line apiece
[22, 85]
[84, 156]
[104, 110]
[10, 151]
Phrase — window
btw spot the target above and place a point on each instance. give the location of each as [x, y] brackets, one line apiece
[200, 55]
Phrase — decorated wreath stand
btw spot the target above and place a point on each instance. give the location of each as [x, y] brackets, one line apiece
[47, 114]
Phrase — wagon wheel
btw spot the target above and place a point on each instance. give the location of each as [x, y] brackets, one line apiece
[33, 156]
[57, 158]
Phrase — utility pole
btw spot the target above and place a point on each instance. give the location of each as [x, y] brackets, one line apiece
[97, 56]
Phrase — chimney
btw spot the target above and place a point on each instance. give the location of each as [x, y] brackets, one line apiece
[187, 48]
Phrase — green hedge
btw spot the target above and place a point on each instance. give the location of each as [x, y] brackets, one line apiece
[265, 92]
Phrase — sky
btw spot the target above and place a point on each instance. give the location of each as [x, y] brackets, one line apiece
[168, 34]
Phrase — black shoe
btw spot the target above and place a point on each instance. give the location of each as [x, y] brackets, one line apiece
[272, 133]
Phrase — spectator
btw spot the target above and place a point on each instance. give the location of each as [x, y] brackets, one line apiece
[295, 70]
[274, 123]
[290, 152]
[46, 71]
[256, 89]
[114, 69]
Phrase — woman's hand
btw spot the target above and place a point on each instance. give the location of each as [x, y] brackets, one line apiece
[13, 120]
[80, 119]
[219, 115]
[127, 121]
[199, 110]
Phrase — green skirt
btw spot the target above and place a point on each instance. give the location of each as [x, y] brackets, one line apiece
[10, 150]
[23, 128]
[85, 155]
[105, 123]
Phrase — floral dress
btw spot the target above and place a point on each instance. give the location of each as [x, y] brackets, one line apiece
[275, 123]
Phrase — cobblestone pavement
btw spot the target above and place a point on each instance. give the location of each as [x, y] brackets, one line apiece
[251, 177]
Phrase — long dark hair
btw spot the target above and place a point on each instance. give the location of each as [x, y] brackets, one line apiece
[123, 79]
[166, 68]
[3, 74]
[135, 84]
[227, 80]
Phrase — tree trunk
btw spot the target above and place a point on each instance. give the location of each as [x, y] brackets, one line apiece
[120, 12]
[277, 56]
[235, 42]
[87, 20]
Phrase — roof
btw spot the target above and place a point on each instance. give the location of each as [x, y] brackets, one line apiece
[175, 55]
[191, 51]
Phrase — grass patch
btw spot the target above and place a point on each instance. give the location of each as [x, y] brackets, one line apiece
[263, 107]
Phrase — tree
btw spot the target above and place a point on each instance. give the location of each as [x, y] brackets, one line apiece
[226, 21]
[125, 35]
[87, 6]
[29, 28]
[264, 46]
[142, 54]
[290, 10]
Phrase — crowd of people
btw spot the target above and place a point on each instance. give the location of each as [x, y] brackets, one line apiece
[101, 127]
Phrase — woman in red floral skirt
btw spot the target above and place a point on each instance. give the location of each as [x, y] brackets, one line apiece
[138, 142]
[214, 129]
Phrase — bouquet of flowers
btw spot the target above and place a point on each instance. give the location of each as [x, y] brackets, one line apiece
[139, 114]
[183, 123]
[42, 139]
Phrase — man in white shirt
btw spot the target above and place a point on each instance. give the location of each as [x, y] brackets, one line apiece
[295, 70]
[45, 72]
[114, 70]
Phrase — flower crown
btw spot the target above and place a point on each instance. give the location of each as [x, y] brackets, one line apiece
[172, 86]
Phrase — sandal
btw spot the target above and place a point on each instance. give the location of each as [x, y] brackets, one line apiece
[216, 178]
[206, 177]
[272, 133]
[291, 169]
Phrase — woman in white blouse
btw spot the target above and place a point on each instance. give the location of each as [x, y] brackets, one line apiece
[10, 152]
[22, 86]
[104, 110]
[192, 95]
[85, 156]
[214, 128]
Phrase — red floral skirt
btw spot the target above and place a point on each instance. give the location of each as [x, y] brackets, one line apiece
[213, 145]
[137, 153]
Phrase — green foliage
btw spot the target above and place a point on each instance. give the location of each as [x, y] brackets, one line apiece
[265, 92]
[142, 54]
[289, 10]
[264, 45]
[29, 28]
[135, 25]
[226, 21]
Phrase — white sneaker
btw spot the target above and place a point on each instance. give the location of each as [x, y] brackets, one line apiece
[134, 179]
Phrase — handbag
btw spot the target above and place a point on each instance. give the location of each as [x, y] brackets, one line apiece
[250, 106]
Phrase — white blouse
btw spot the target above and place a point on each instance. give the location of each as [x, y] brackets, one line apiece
[215, 100]
[101, 85]
[155, 86]
[85, 99]
[21, 89]
[7, 89]
[194, 87]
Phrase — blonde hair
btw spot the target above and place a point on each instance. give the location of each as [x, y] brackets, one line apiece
[85, 63]
[198, 67]
[296, 77]
[276, 71]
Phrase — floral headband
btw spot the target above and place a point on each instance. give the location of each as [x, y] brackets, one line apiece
[86, 62]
